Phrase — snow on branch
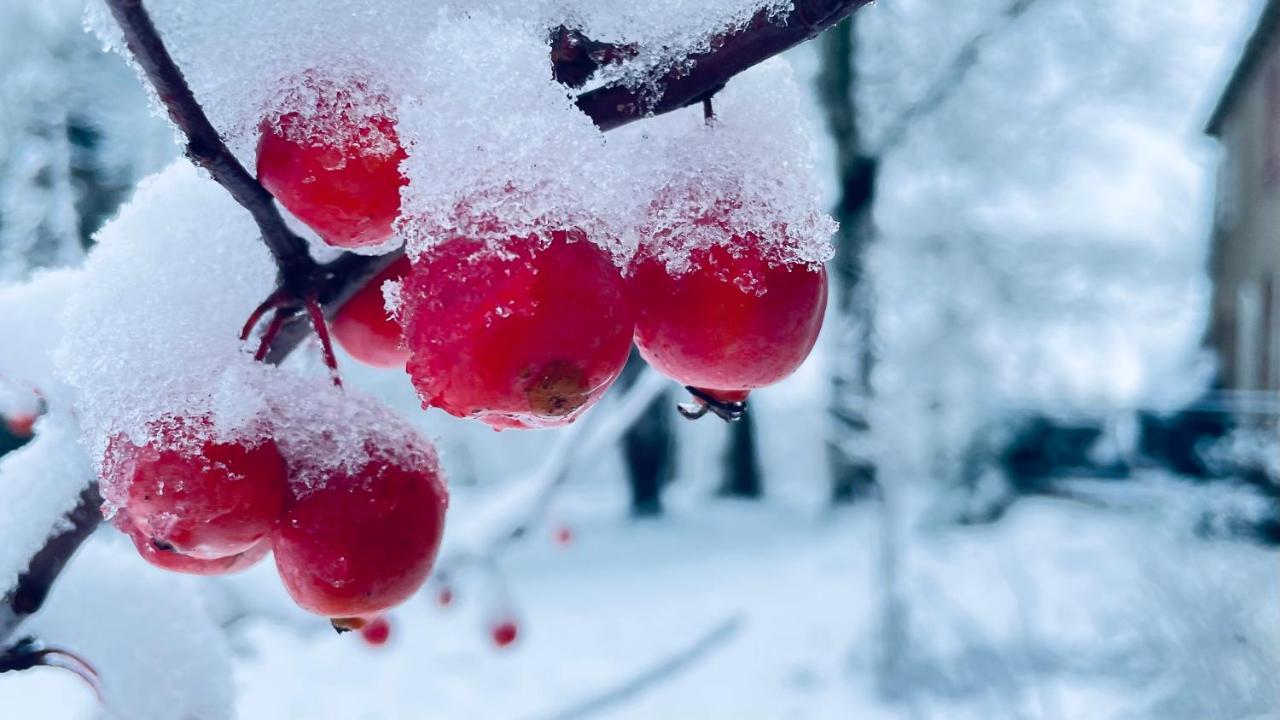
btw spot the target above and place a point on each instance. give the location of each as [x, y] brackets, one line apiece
[206, 148]
[703, 74]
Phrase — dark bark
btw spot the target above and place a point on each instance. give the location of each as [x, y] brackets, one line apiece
[763, 37]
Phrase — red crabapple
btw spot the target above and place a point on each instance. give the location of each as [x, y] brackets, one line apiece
[564, 536]
[376, 632]
[167, 559]
[186, 492]
[363, 327]
[20, 425]
[528, 335]
[363, 539]
[336, 168]
[504, 633]
[736, 320]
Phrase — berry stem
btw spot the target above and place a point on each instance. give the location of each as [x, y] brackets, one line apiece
[708, 403]
[269, 335]
[322, 332]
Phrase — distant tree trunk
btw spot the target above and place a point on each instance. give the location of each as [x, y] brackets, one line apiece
[853, 475]
[742, 476]
[649, 448]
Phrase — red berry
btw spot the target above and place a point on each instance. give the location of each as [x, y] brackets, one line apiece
[177, 562]
[377, 632]
[21, 425]
[736, 320]
[504, 633]
[445, 597]
[196, 496]
[521, 336]
[363, 327]
[364, 539]
[336, 168]
[564, 535]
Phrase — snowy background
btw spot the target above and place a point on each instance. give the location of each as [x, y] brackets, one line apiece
[1041, 240]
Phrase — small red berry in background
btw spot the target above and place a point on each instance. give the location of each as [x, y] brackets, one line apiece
[445, 597]
[336, 167]
[20, 425]
[167, 559]
[564, 536]
[189, 494]
[363, 327]
[377, 632]
[734, 321]
[504, 633]
[522, 336]
[364, 539]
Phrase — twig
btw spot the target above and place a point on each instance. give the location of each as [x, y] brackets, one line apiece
[946, 84]
[206, 148]
[700, 75]
[34, 584]
[656, 674]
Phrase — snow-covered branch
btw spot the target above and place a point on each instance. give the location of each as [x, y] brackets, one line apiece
[206, 148]
[701, 75]
[668, 668]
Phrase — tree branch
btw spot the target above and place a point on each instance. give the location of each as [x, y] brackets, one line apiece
[34, 584]
[206, 148]
[658, 673]
[615, 105]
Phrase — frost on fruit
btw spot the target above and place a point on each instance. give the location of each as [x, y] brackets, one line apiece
[508, 154]
[364, 513]
[751, 170]
[152, 330]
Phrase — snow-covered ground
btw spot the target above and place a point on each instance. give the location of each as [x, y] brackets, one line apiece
[1061, 610]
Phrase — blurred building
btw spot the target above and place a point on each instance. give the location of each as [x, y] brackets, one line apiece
[1245, 260]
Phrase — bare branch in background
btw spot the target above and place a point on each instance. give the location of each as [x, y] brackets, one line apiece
[660, 672]
[952, 79]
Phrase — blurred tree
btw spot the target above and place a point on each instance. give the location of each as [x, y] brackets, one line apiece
[648, 447]
[76, 134]
[853, 474]
[742, 475]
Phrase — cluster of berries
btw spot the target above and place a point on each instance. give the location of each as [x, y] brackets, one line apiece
[533, 334]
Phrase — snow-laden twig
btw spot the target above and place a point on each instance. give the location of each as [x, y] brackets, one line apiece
[660, 672]
[513, 510]
[45, 484]
[206, 148]
[951, 79]
[701, 75]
